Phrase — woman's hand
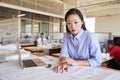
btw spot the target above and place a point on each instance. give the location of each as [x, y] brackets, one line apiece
[71, 61]
[63, 60]
[61, 68]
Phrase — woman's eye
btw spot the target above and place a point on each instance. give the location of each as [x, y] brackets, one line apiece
[76, 22]
[68, 23]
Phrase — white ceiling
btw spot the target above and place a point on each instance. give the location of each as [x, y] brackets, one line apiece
[96, 8]
[90, 8]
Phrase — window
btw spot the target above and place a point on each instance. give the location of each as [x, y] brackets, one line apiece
[36, 27]
[26, 27]
[90, 24]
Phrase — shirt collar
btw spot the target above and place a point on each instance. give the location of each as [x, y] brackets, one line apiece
[78, 35]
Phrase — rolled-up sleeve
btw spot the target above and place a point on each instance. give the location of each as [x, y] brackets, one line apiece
[95, 58]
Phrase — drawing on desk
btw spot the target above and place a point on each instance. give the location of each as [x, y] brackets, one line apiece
[29, 62]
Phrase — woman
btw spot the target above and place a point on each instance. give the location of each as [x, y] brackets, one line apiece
[80, 47]
[115, 53]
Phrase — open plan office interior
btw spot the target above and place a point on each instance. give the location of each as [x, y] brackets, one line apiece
[23, 21]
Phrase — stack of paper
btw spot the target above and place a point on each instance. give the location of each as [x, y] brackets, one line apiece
[10, 47]
[12, 55]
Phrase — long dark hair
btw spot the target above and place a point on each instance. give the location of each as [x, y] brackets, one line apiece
[75, 11]
[116, 41]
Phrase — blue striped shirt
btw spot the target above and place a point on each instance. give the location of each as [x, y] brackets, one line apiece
[84, 46]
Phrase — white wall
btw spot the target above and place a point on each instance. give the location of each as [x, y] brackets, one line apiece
[108, 24]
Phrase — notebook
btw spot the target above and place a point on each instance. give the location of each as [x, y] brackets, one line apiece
[28, 63]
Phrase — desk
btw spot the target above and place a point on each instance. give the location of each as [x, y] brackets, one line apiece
[105, 58]
[27, 44]
[12, 71]
[38, 49]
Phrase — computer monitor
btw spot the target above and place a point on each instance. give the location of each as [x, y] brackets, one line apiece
[103, 36]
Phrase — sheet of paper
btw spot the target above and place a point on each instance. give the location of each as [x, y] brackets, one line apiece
[12, 71]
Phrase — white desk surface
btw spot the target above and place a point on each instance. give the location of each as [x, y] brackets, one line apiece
[105, 57]
[12, 71]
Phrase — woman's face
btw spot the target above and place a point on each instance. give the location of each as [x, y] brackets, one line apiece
[74, 24]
